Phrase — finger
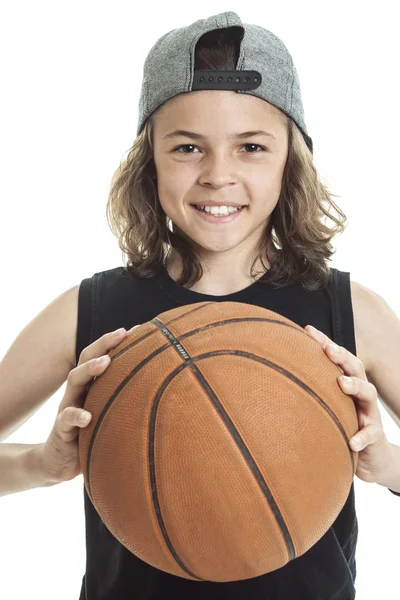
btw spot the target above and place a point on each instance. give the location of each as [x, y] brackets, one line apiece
[363, 390]
[369, 434]
[350, 363]
[79, 379]
[68, 422]
[103, 345]
[365, 393]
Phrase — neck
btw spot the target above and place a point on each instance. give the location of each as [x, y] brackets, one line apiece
[220, 277]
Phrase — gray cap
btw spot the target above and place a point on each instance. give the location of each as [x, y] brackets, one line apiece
[264, 69]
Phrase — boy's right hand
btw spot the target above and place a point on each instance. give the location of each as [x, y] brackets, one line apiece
[59, 455]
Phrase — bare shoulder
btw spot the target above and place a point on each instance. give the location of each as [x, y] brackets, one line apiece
[68, 302]
[377, 329]
[60, 318]
[370, 312]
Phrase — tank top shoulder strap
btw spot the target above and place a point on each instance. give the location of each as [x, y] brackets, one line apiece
[342, 309]
[86, 314]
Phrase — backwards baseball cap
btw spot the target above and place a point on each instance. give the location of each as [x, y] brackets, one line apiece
[264, 69]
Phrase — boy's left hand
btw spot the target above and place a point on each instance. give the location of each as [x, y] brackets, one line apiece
[375, 450]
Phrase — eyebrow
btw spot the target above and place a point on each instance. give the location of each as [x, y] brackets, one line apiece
[197, 136]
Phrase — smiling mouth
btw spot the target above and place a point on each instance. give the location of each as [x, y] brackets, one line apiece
[203, 209]
[221, 218]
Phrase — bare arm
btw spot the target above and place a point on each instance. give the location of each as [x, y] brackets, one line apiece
[21, 469]
[46, 349]
[38, 362]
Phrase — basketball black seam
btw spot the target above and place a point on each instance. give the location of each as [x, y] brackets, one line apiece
[235, 435]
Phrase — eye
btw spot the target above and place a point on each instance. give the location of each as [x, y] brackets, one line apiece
[263, 149]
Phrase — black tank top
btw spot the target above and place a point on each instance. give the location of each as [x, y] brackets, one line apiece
[327, 571]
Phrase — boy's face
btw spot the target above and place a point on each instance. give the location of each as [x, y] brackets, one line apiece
[219, 167]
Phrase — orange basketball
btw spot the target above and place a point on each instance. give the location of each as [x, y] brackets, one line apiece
[219, 443]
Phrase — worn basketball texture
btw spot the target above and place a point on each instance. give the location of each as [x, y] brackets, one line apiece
[219, 444]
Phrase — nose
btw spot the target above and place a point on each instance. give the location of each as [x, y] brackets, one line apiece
[218, 171]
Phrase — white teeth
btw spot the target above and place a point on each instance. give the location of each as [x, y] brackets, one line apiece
[219, 210]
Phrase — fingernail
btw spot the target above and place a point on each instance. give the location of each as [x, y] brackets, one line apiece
[118, 331]
[346, 380]
[102, 359]
[356, 443]
[312, 328]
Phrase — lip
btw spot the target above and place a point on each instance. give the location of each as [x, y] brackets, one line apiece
[209, 218]
[210, 203]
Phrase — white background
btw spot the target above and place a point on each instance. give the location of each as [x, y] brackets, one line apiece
[71, 75]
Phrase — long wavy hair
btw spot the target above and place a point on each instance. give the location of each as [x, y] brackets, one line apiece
[301, 240]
